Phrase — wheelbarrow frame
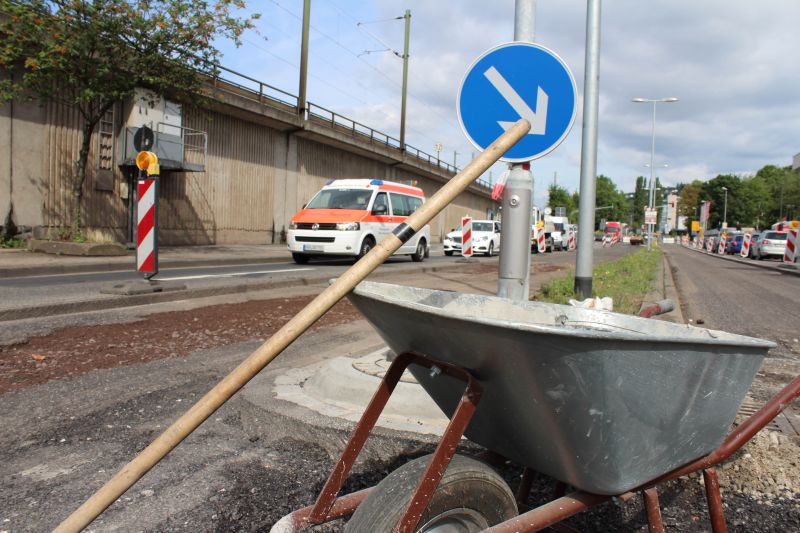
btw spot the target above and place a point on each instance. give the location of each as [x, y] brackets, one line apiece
[328, 507]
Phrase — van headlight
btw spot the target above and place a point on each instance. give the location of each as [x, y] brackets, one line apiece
[292, 225]
[348, 226]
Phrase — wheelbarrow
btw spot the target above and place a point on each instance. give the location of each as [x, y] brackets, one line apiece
[609, 404]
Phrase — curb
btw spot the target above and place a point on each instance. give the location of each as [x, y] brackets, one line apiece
[19, 272]
[671, 292]
[102, 304]
[779, 268]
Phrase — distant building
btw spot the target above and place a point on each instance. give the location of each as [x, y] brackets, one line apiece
[796, 162]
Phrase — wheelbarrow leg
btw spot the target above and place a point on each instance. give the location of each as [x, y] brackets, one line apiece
[651, 505]
[524, 490]
[325, 509]
[715, 510]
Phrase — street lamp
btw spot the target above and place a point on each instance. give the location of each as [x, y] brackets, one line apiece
[725, 210]
[654, 101]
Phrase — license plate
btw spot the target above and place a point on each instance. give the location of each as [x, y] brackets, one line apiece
[313, 248]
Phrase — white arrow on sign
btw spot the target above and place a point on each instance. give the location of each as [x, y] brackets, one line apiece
[538, 118]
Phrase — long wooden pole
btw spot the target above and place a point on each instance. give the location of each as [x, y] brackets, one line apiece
[251, 366]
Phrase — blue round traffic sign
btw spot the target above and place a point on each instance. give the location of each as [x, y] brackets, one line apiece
[512, 81]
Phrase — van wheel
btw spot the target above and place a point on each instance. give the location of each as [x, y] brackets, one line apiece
[470, 498]
[419, 255]
[367, 245]
[490, 251]
[300, 259]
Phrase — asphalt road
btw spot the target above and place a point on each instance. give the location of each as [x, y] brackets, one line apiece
[752, 301]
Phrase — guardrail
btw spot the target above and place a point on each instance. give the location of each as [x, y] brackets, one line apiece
[267, 94]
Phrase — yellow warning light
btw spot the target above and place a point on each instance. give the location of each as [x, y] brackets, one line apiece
[147, 161]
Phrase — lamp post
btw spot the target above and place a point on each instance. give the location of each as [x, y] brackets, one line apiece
[725, 209]
[654, 101]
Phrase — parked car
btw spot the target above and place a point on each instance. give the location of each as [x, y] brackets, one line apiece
[734, 244]
[770, 244]
[485, 239]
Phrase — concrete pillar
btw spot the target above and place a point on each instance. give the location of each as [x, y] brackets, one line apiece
[284, 197]
[6, 145]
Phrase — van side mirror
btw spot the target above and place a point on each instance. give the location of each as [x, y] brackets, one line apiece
[380, 209]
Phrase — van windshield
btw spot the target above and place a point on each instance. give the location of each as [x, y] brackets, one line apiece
[612, 229]
[341, 199]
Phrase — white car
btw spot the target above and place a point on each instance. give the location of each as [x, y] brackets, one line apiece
[485, 239]
[770, 244]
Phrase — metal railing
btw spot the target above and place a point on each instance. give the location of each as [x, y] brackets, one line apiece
[266, 94]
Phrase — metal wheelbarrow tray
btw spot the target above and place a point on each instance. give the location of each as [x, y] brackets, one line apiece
[602, 401]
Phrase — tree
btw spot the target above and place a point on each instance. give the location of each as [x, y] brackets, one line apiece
[90, 54]
[607, 195]
[639, 201]
[558, 197]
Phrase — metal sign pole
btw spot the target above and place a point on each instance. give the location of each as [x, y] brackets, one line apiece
[584, 260]
[513, 279]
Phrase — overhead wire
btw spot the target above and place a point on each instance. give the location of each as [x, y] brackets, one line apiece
[382, 74]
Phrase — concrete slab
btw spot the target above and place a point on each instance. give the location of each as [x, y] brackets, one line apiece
[342, 387]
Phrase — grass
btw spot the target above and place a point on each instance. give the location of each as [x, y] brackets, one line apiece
[626, 280]
[13, 243]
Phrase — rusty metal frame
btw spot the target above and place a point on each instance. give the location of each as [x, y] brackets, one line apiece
[328, 507]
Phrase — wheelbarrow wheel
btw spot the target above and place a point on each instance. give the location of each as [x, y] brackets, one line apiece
[470, 497]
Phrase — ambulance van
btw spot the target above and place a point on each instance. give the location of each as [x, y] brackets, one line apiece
[348, 217]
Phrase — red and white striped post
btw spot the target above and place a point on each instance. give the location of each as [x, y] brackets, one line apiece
[745, 251]
[571, 245]
[541, 244]
[147, 214]
[466, 236]
[721, 247]
[790, 255]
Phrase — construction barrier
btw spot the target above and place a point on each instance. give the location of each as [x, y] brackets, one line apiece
[790, 255]
[466, 236]
[709, 245]
[147, 214]
[745, 252]
[541, 240]
[571, 245]
[721, 247]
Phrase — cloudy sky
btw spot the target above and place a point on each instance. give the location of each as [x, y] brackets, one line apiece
[733, 64]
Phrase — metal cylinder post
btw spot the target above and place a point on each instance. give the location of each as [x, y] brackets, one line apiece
[591, 82]
[515, 240]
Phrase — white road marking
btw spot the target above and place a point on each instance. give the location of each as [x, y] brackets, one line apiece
[232, 274]
[538, 118]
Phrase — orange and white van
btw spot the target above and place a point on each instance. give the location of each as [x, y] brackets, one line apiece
[348, 217]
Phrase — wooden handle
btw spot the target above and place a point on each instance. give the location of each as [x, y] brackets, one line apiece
[254, 363]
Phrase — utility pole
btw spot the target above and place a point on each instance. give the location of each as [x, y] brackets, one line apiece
[555, 179]
[455, 159]
[407, 18]
[301, 98]
[588, 190]
[515, 240]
